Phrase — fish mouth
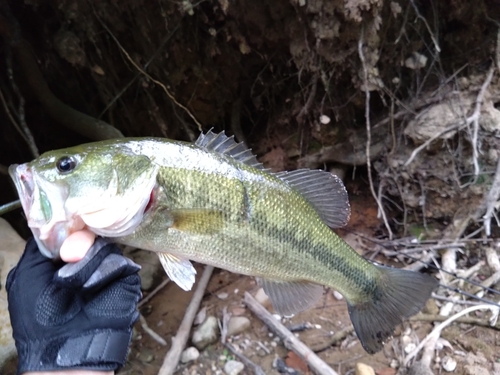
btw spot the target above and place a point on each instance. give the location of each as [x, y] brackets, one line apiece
[38, 210]
[25, 185]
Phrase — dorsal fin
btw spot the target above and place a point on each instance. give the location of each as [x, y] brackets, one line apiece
[325, 191]
[225, 145]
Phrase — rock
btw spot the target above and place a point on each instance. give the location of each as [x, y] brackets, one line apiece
[151, 270]
[207, 333]
[200, 316]
[475, 370]
[237, 325]
[233, 367]
[222, 295]
[362, 369]
[190, 354]
[11, 249]
[449, 364]
[262, 298]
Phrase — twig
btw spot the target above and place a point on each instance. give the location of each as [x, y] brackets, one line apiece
[256, 368]
[490, 201]
[31, 145]
[434, 40]
[153, 293]
[146, 74]
[180, 339]
[11, 206]
[150, 332]
[368, 134]
[440, 318]
[125, 88]
[23, 126]
[337, 337]
[436, 332]
[289, 340]
[474, 119]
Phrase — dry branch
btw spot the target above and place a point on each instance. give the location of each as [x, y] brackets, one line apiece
[180, 339]
[150, 332]
[153, 293]
[436, 332]
[289, 340]
[368, 134]
[11, 206]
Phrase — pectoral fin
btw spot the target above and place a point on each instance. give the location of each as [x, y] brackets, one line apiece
[291, 297]
[198, 221]
[180, 271]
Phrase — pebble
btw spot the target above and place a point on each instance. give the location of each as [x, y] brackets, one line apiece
[262, 298]
[201, 316]
[233, 367]
[237, 325]
[206, 333]
[448, 364]
[222, 295]
[338, 296]
[362, 369]
[190, 354]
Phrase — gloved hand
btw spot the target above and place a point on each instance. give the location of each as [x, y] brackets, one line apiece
[79, 316]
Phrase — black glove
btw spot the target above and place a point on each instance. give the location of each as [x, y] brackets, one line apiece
[79, 316]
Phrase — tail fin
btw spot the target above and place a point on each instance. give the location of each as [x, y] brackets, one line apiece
[399, 294]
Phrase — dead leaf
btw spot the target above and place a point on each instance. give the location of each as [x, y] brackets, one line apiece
[297, 363]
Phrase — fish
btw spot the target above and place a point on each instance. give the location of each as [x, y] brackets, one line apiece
[212, 202]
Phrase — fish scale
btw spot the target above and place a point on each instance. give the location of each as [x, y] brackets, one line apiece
[212, 202]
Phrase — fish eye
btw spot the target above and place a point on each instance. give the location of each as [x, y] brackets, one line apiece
[65, 164]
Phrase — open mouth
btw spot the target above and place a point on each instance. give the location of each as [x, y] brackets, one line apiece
[23, 179]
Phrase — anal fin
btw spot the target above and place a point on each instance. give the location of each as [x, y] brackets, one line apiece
[291, 297]
[180, 271]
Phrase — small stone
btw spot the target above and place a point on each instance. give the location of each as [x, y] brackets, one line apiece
[324, 119]
[237, 325]
[475, 370]
[362, 369]
[222, 295]
[207, 333]
[233, 367]
[190, 354]
[201, 316]
[262, 298]
[449, 364]
[337, 295]
[410, 347]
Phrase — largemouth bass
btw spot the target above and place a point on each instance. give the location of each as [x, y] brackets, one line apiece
[214, 203]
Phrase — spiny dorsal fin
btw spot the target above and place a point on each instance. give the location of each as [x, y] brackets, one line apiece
[325, 191]
[225, 145]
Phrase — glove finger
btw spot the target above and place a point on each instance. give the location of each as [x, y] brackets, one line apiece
[113, 267]
[76, 274]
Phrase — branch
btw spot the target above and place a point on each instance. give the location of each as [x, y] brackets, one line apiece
[369, 135]
[11, 206]
[180, 339]
[289, 340]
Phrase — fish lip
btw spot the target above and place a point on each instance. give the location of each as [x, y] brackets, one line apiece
[25, 185]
